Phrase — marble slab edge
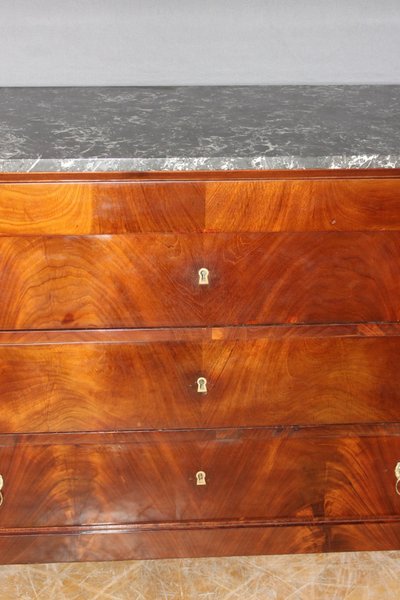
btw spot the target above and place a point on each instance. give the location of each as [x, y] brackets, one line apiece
[93, 165]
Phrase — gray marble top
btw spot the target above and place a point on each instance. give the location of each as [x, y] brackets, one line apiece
[199, 128]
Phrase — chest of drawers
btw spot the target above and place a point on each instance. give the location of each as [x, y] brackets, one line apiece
[199, 364]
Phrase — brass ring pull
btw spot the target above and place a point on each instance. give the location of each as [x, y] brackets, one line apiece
[1, 487]
[397, 475]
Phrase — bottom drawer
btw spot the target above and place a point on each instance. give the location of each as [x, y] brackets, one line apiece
[224, 475]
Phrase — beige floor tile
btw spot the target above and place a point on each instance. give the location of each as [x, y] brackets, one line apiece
[346, 576]
[374, 591]
[319, 591]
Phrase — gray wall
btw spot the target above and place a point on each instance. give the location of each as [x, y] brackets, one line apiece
[149, 42]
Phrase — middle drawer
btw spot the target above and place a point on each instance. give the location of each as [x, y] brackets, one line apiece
[201, 378]
[152, 280]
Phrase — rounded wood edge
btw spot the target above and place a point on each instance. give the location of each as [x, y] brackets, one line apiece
[221, 435]
[195, 334]
[173, 543]
[201, 175]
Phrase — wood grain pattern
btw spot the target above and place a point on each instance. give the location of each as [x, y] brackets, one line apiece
[146, 384]
[235, 541]
[100, 208]
[99, 281]
[150, 280]
[308, 277]
[37, 548]
[299, 433]
[303, 205]
[95, 207]
[250, 475]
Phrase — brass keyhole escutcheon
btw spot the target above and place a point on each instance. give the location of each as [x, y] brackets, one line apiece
[202, 385]
[201, 478]
[397, 475]
[204, 275]
[1, 490]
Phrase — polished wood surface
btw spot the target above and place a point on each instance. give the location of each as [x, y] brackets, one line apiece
[104, 331]
[151, 384]
[82, 208]
[151, 280]
[39, 337]
[250, 475]
[334, 277]
[175, 543]
[100, 208]
[100, 281]
[303, 205]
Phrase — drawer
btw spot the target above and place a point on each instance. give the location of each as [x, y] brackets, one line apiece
[312, 204]
[223, 475]
[152, 280]
[148, 379]
[82, 208]
[109, 207]
[314, 277]
[100, 281]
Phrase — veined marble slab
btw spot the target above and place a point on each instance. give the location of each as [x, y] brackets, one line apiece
[91, 129]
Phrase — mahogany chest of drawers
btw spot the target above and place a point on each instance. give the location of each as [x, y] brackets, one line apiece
[199, 364]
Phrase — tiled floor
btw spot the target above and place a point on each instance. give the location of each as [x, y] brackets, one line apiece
[352, 576]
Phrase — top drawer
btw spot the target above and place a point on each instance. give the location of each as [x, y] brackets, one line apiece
[109, 207]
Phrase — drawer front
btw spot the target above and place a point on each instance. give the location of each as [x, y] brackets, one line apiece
[100, 281]
[157, 385]
[70, 208]
[335, 277]
[153, 279]
[95, 207]
[330, 204]
[202, 476]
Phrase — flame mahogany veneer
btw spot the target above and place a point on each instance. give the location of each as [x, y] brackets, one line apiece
[148, 383]
[105, 330]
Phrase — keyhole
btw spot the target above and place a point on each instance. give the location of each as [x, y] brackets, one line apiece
[200, 478]
[203, 276]
[202, 385]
